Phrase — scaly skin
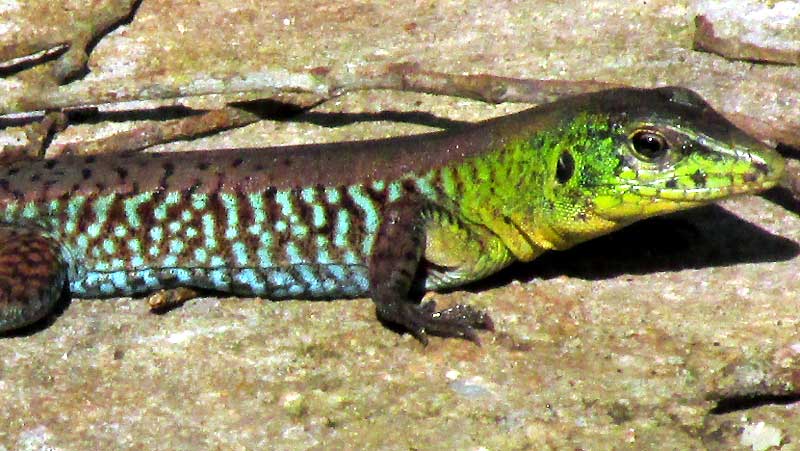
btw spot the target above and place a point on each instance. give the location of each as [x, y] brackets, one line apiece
[383, 218]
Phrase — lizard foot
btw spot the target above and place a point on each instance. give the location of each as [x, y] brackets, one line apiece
[163, 300]
[421, 320]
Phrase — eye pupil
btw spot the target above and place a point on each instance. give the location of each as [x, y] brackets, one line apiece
[565, 167]
[649, 145]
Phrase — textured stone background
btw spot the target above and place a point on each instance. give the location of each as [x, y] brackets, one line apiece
[621, 343]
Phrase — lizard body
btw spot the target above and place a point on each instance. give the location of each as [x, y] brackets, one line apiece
[380, 218]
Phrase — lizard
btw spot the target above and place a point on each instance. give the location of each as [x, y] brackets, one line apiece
[388, 219]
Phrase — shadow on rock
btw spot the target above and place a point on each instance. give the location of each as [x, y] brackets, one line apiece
[704, 237]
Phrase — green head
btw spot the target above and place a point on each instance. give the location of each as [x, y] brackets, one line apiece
[615, 157]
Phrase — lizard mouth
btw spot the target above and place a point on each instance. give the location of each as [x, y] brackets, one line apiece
[627, 202]
[693, 194]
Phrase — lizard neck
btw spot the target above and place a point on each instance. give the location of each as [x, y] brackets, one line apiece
[512, 190]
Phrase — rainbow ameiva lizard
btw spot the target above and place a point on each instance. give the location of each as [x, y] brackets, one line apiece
[386, 218]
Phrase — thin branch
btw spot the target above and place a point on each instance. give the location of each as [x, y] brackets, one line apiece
[271, 82]
[38, 135]
[152, 133]
[72, 62]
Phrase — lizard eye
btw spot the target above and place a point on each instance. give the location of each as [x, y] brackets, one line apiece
[565, 167]
[649, 145]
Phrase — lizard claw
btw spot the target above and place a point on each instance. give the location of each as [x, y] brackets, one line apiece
[459, 321]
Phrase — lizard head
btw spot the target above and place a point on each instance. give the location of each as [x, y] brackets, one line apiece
[623, 155]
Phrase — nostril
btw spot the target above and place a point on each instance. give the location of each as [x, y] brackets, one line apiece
[763, 168]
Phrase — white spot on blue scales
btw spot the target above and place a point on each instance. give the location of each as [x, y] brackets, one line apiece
[93, 230]
[176, 246]
[135, 246]
[284, 199]
[393, 193]
[371, 216]
[150, 279]
[131, 207]
[424, 186]
[156, 234]
[200, 255]
[240, 253]
[293, 254]
[350, 258]
[296, 290]
[251, 279]
[119, 279]
[9, 214]
[230, 203]
[332, 195]
[74, 207]
[82, 242]
[208, 231]
[264, 258]
[341, 229]
[107, 288]
[318, 214]
[220, 279]
[109, 246]
[30, 211]
[280, 279]
[360, 281]
[265, 239]
[299, 231]
[199, 201]
[181, 274]
[338, 272]
[328, 286]
[120, 231]
[256, 201]
[53, 207]
[162, 209]
[323, 256]
[308, 195]
[100, 207]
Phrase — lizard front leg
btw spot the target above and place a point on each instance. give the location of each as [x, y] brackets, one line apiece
[411, 229]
